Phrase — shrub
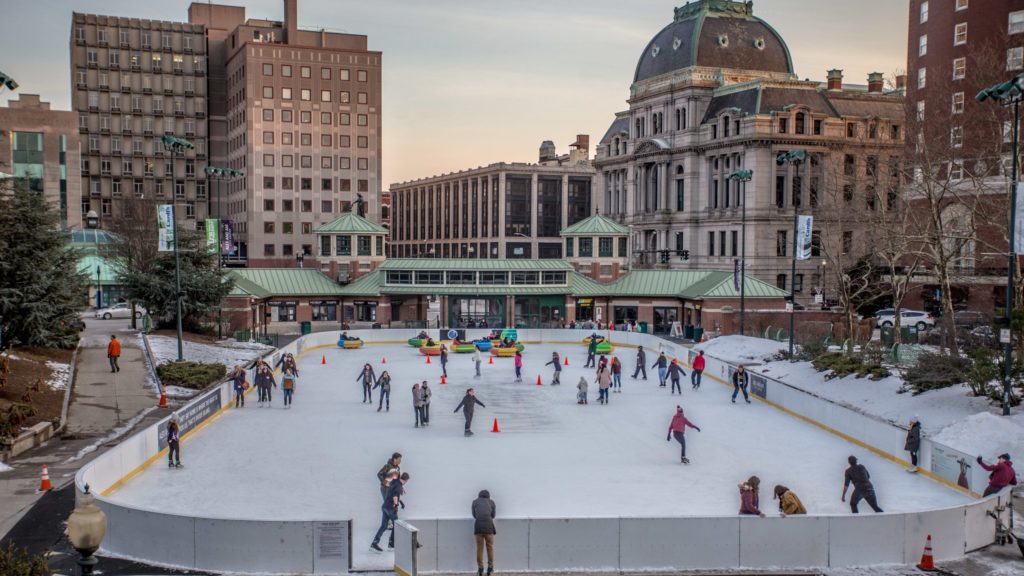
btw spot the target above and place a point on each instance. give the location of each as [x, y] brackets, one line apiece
[935, 371]
[839, 365]
[18, 562]
[195, 375]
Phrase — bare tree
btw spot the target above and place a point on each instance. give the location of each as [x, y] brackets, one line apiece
[135, 237]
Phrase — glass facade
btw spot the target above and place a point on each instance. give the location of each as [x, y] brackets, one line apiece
[549, 207]
[518, 206]
[579, 199]
[28, 158]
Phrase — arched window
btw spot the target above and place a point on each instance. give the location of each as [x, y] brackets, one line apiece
[801, 122]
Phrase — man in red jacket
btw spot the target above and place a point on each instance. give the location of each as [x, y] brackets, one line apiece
[676, 428]
[698, 370]
[1002, 474]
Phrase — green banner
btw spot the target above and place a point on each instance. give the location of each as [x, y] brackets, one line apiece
[165, 224]
[212, 234]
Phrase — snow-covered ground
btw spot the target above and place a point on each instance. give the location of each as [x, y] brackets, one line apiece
[5, 468]
[226, 352]
[552, 458]
[60, 376]
[950, 415]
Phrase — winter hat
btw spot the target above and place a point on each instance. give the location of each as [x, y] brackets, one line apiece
[914, 418]
[1005, 457]
[484, 494]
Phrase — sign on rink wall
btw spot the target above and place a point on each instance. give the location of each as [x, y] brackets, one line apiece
[952, 465]
[192, 415]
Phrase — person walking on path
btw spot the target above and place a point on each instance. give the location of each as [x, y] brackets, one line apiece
[641, 362]
[427, 393]
[384, 383]
[1002, 474]
[739, 382]
[604, 382]
[389, 511]
[662, 364]
[555, 378]
[789, 504]
[519, 366]
[581, 391]
[288, 379]
[483, 531]
[173, 443]
[677, 429]
[913, 443]
[393, 464]
[698, 370]
[858, 475]
[675, 372]
[239, 385]
[592, 350]
[749, 499]
[468, 404]
[367, 377]
[476, 360]
[264, 382]
[114, 352]
[444, 360]
[417, 403]
[616, 375]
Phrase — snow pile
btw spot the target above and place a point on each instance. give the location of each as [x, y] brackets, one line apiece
[180, 392]
[984, 434]
[228, 353]
[60, 375]
[742, 349]
[5, 467]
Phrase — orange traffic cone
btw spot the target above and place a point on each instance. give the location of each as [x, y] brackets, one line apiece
[566, 360]
[703, 337]
[442, 380]
[495, 427]
[45, 485]
[323, 359]
[927, 563]
[428, 359]
[539, 383]
[163, 397]
[490, 360]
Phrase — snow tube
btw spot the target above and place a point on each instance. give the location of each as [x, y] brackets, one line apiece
[350, 344]
[416, 342]
[430, 350]
[463, 348]
[482, 345]
[586, 341]
[503, 352]
[605, 347]
[510, 333]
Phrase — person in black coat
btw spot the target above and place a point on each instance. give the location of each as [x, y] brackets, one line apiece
[556, 361]
[483, 531]
[913, 443]
[858, 475]
[389, 511]
[641, 362]
[367, 377]
[739, 383]
[468, 404]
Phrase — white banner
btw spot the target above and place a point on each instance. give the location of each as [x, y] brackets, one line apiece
[803, 237]
[1018, 217]
[165, 224]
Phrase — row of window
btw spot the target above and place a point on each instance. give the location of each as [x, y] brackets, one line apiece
[287, 249]
[343, 245]
[137, 104]
[326, 184]
[326, 162]
[605, 247]
[959, 6]
[306, 95]
[170, 125]
[288, 205]
[285, 70]
[126, 81]
[306, 117]
[106, 208]
[154, 63]
[148, 167]
[140, 188]
[473, 278]
[132, 38]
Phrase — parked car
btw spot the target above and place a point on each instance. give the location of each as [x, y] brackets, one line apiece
[120, 310]
[969, 319]
[886, 318]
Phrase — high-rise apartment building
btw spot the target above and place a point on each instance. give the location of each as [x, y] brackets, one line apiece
[133, 81]
[302, 120]
[41, 146]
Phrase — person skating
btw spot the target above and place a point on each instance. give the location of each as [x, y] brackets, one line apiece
[384, 383]
[592, 350]
[662, 364]
[913, 443]
[581, 391]
[858, 475]
[444, 360]
[393, 463]
[698, 370]
[555, 378]
[677, 429]
[476, 360]
[749, 498]
[288, 361]
[417, 403]
[288, 379]
[238, 384]
[789, 503]
[427, 393]
[264, 382]
[468, 404]
[483, 511]
[389, 511]
[173, 443]
[616, 375]
[1002, 474]
[739, 383]
[519, 366]
[367, 378]
[675, 372]
[114, 352]
[604, 383]
[641, 362]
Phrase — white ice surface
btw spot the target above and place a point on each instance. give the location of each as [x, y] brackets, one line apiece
[552, 458]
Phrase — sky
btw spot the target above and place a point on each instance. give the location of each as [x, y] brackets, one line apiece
[472, 82]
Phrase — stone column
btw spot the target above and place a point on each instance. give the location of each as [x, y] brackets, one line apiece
[666, 174]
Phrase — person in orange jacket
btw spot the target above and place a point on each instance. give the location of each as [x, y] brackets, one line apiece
[114, 352]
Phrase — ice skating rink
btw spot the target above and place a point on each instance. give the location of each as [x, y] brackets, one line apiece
[552, 458]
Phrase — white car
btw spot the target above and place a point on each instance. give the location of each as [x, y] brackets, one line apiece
[121, 310]
[886, 318]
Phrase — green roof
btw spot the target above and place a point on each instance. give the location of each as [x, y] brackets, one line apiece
[596, 225]
[473, 264]
[265, 282]
[350, 223]
[90, 236]
[87, 265]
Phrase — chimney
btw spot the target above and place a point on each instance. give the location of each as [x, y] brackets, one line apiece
[291, 21]
[579, 151]
[901, 82]
[875, 82]
[547, 152]
[835, 79]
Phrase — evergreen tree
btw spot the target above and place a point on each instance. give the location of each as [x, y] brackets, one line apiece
[41, 288]
[203, 284]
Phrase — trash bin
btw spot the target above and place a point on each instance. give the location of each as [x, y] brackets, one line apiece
[243, 336]
[697, 333]
[306, 327]
[688, 331]
[376, 326]
[643, 327]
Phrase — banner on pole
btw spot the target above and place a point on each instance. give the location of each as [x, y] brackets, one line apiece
[212, 227]
[165, 225]
[736, 274]
[804, 227]
[1018, 218]
[227, 238]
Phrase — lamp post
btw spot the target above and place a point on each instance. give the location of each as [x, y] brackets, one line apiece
[87, 526]
[1009, 93]
[179, 145]
[7, 82]
[92, 222]
[796, 158]
[743, 176]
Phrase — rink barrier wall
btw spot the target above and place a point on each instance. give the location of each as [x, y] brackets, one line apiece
[310, 546]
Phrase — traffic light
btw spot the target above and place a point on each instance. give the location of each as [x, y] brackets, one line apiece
[684, 255]
[663, 256]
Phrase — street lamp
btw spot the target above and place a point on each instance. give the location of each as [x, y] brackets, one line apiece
[92, 221]
[87, 526]
[1009, 93]
[177, 145]
[743, 176]
[796, 158]
[7, 82]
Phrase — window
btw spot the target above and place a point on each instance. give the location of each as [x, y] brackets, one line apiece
[847, 242]
[922, 45]
[343, 97]
[343, 246]
[362, 142]
[325, 184]
[268, 159]
[1015, 58]
[922, 77]
[956, 136]
[268, 227]
[1016, 22]
[268, 137]
[343, 74]
[326, 206]
[958, 103]
[604, 247]
[287, 205]
[268, 204]
[783, 125]
[361, 98]
[361, 75]
[268, 114]
[268, 69]
[960, 34]
[305, 72]
[525, 278]
[956, 170]
[586, 247]
[102, 35]
[798, 283]
[894, 132]
[961, 5]
[780, 243]
[305, 161]
[268, 249]
[801, 122]
[711, 243]
[920, 111]
[286, 70]
[287, 183]
[344, 119]
[959, 68]
[780, 281]
[305, 94]
[569, 247]
[268, 184]
[268, 91]
[305, 117]
[286, 93]
[361, 119]
[80, 34]
[325, 73]
[306, 183]
[325, 95]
